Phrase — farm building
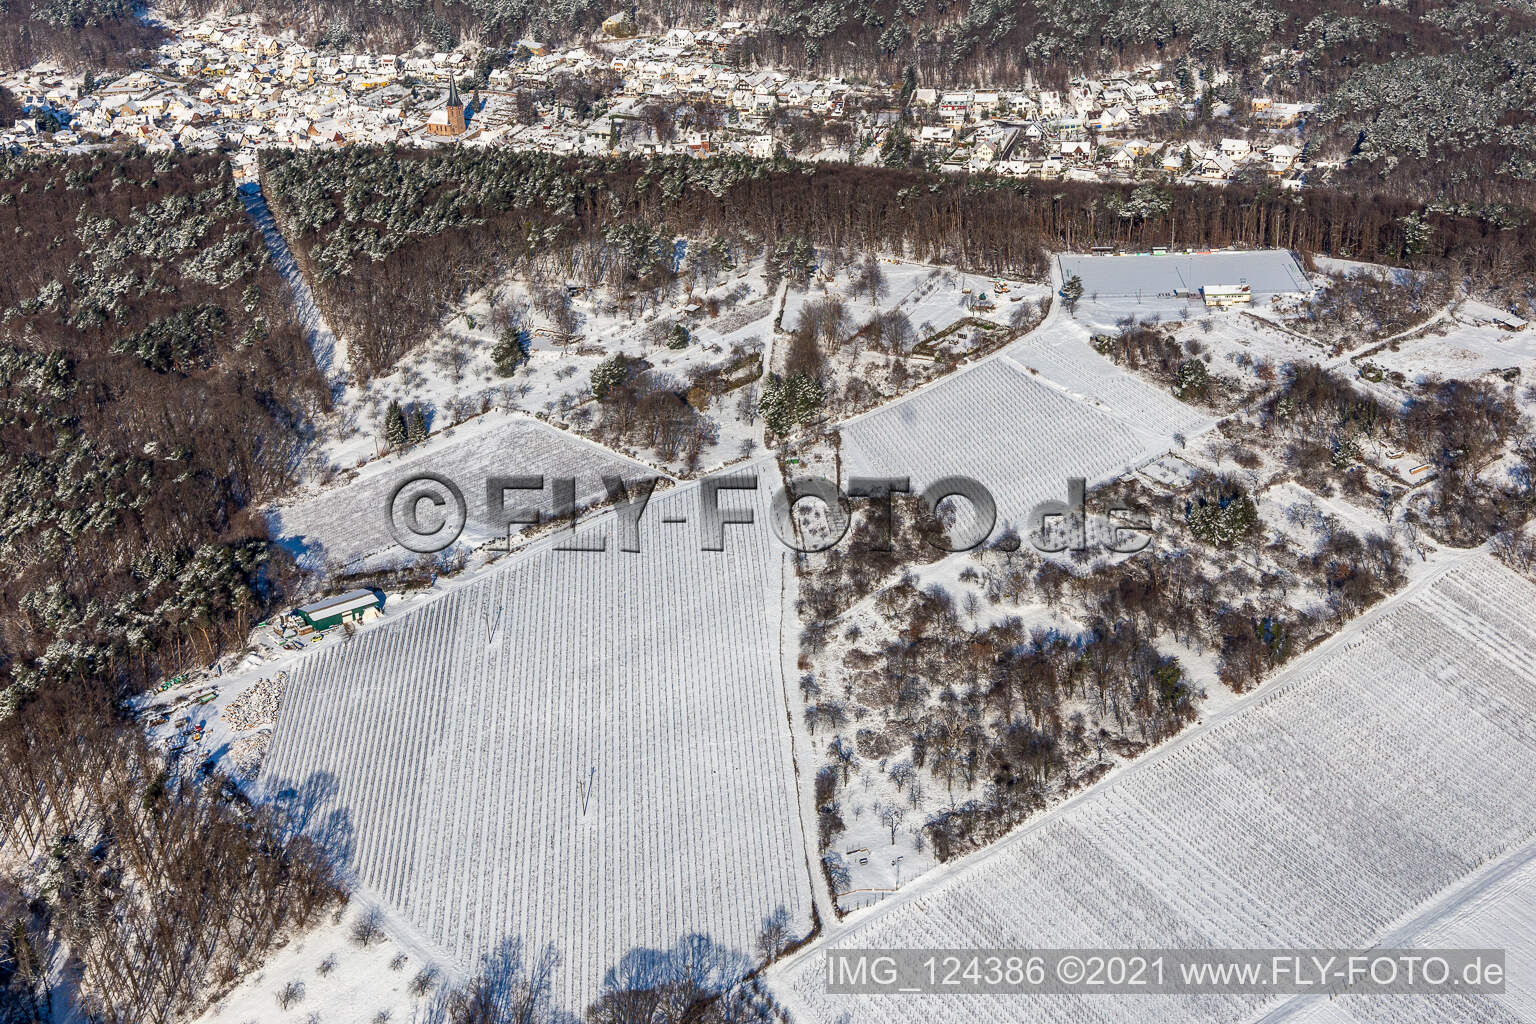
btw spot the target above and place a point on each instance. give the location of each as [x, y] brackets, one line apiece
[1219, 296]
[352, 606]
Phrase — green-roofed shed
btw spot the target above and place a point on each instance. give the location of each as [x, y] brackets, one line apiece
[333, 611]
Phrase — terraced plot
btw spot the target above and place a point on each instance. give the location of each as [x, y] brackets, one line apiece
[1063, 358]
[996, 423]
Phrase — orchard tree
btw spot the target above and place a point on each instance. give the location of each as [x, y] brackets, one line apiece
[845, 755]
[891, 816]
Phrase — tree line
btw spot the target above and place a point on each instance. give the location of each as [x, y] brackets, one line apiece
[393, 238]
[154, 388]
[78, 33]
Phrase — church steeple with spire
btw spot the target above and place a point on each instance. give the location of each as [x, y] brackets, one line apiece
[449, 120]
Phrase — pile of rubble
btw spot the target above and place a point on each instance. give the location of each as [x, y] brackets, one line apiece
[257, 705]
[247, 753]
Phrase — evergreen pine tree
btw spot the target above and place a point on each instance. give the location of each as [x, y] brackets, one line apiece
[1072, 292]
[786, 402]
[896, 148]
[1192, 382]
[511, 351]
[394, 426]
[418, 429]
[609, 374]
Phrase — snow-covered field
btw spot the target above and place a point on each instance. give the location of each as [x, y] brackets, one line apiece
[992, 422]
[1494, 909]
[1151, 288]
[583, 749]
[1048, 409]
[346, 524]
[1324, 811]
[1063, 357]
[1475, 340]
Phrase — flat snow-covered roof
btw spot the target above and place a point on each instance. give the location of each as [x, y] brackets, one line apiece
[339, 603]
[1266, 271]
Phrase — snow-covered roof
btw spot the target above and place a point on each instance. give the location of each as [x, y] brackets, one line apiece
[339, 604]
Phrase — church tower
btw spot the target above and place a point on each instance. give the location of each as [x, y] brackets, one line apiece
[449, 120]
[455, 107]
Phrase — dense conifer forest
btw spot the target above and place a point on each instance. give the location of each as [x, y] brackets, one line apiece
[153, 385]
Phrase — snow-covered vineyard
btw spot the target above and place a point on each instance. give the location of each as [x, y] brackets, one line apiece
[1062, 358]
[579, 749]
[347, 525]
[1379, 773]
[1022, 424]
[1495, 909]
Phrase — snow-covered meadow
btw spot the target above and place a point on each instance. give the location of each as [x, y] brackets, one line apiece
[1325, 810]
[1469, 342]
[326, 974]
[583, 749]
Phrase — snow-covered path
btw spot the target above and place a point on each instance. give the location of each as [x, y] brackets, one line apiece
[330, 351]
[804, 749]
